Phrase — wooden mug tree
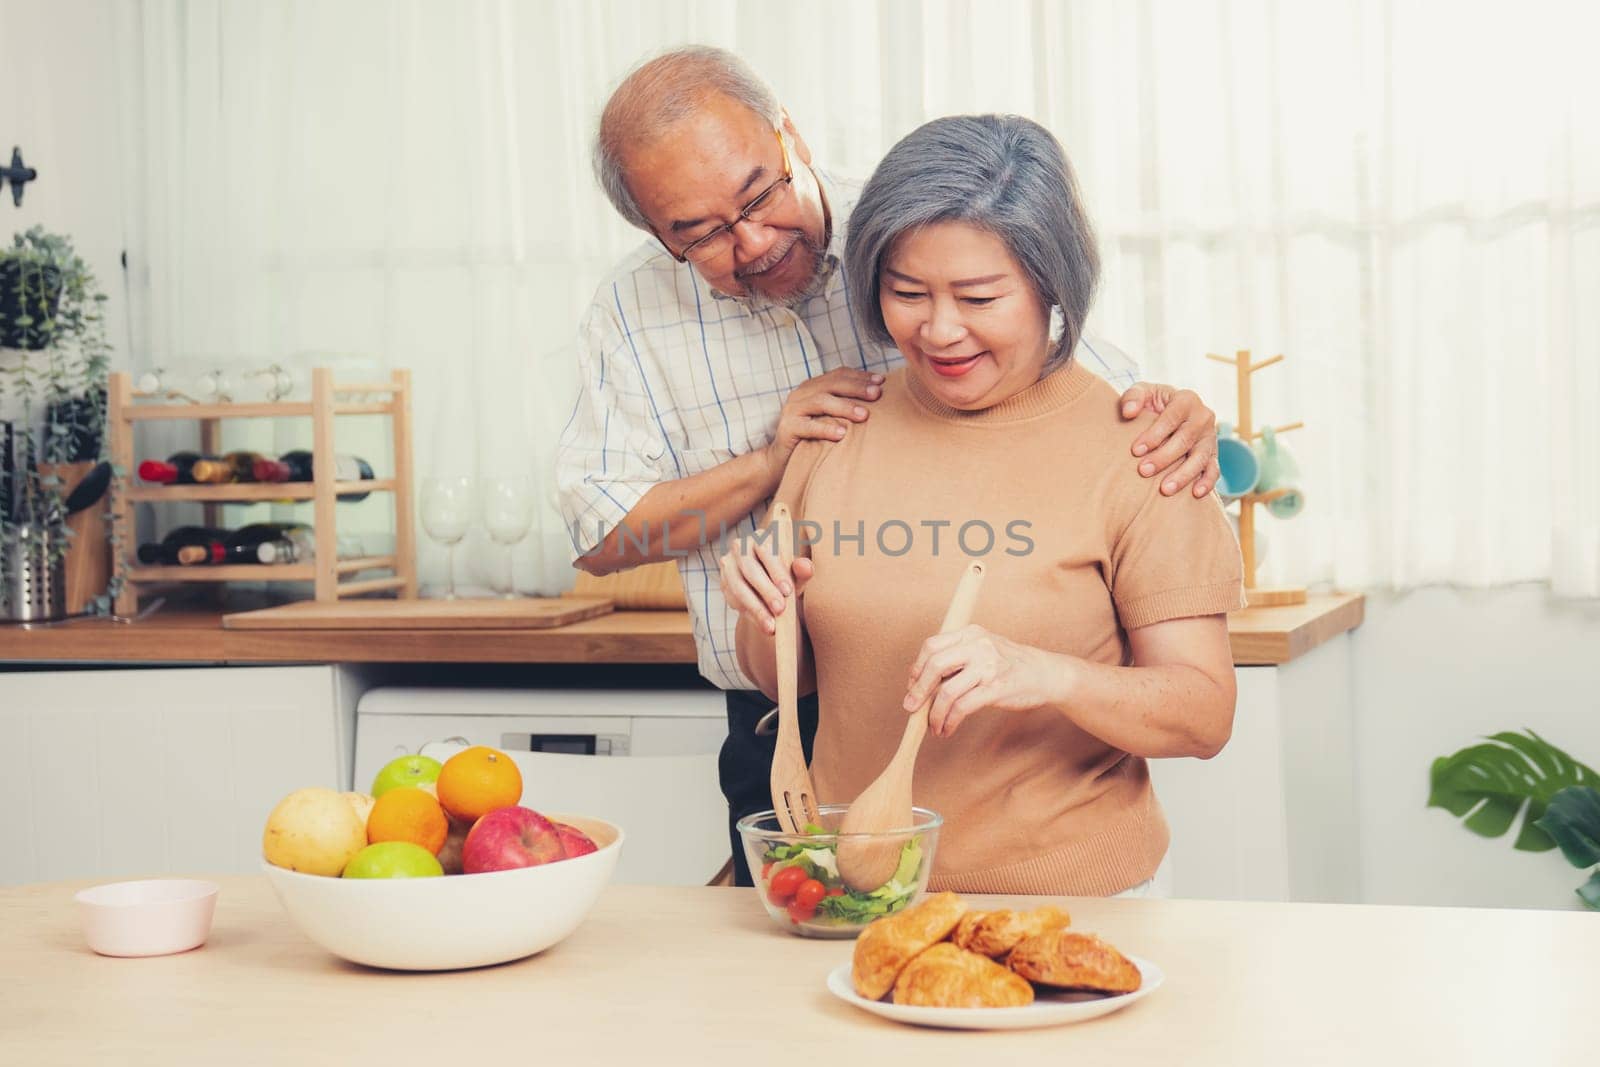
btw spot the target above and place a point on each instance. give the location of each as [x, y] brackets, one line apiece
[1258, 596]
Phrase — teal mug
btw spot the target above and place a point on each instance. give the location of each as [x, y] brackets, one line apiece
[1241, 468]
[1279, 471]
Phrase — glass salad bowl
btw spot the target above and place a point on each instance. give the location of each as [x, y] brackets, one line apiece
[797, 875]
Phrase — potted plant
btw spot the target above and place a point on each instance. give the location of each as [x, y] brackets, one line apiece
[1490, 784]
[54, 361]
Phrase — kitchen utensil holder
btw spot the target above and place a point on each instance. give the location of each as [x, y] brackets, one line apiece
[326, 570]
[35, 580]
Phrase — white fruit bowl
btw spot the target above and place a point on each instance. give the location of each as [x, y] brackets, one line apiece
[455, 921]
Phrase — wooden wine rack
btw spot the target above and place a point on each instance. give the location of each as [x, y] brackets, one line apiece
[327, 571]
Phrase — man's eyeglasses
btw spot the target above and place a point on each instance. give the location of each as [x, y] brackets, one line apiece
[721, 239]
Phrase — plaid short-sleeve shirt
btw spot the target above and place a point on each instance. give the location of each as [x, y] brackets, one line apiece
[676, 379]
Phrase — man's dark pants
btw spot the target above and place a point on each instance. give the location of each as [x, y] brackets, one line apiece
[745, 764]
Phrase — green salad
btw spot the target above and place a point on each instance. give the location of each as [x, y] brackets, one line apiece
[803, 878]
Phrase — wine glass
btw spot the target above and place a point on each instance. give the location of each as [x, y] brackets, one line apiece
[446, 514]
[507, 515]
[213, 386]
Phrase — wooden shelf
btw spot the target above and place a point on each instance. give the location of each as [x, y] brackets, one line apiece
[366, 563]
[228, 572]
[266, 410]
[252, 492]
[263, 572]
[273, 410]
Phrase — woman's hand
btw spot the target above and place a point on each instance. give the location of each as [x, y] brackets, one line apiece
[973, 670]
[755, 580]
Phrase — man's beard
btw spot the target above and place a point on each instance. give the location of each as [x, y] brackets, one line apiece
[799, 294]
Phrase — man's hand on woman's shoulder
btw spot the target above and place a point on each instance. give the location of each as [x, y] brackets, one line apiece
[820, 409]
[1181, 445]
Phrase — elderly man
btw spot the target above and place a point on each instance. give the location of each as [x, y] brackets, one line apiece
[715, 347]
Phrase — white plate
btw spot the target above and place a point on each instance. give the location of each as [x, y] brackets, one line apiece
[1050, 1009]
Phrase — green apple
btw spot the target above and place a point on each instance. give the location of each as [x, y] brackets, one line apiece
[393, 859]
[405, 771]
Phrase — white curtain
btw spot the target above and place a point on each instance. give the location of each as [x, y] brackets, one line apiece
[1401, 197]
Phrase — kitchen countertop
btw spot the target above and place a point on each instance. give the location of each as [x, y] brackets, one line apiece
[1260, 636]
[702, 976]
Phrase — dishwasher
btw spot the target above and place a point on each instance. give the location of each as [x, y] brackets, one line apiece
[645, 760]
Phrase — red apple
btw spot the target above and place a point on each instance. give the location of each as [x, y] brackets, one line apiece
[506, 839]
[575, 841]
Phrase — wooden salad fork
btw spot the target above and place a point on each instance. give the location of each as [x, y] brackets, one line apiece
[793, 795]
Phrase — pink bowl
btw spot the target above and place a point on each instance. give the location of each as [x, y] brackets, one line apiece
[155, 917]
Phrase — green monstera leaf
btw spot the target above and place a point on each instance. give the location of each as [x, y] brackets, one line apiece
[1488, 785]
[1590, 891]
[1573, 820]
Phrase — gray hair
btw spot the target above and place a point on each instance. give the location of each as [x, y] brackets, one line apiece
[658, 94]
[1003, 173]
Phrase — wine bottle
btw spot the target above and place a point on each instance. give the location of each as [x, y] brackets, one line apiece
[272, 542]
[232, 467]
[269, 470]
[177, 470]
[186, 546]
[345, 469]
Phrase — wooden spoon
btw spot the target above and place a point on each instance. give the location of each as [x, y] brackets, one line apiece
[793, 795]
[865, 863]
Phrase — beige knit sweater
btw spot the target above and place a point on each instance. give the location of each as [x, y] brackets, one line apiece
[1080, 550]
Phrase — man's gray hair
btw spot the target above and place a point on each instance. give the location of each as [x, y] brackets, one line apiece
[657, 95]
[1002, 173]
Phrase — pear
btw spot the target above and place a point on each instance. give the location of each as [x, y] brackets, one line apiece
[313, 831]
[362, 803]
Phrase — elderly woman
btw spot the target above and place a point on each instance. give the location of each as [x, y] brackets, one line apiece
[1099, 639]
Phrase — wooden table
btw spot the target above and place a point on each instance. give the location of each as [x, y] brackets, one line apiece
[1261, 636]
[702, 976]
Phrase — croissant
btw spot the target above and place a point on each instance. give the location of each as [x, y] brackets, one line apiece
[995, 933]
[949, 977]
[1070, 960]
[886, 945]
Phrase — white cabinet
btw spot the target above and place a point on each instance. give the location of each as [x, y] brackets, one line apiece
[127, 773]
[1273, 816]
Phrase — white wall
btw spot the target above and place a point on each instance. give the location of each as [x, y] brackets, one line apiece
[1436, 670]
[60, 103]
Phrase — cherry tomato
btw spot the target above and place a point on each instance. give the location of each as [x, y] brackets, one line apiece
[784, 883]
[809, 893]
[766, 867]
[799, 913]
[836, 891]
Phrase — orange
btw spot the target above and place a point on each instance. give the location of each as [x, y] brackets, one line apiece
[408, 815]
[477, 780]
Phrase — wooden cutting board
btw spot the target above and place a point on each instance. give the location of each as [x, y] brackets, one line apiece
[652, 587]
[525, 613]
